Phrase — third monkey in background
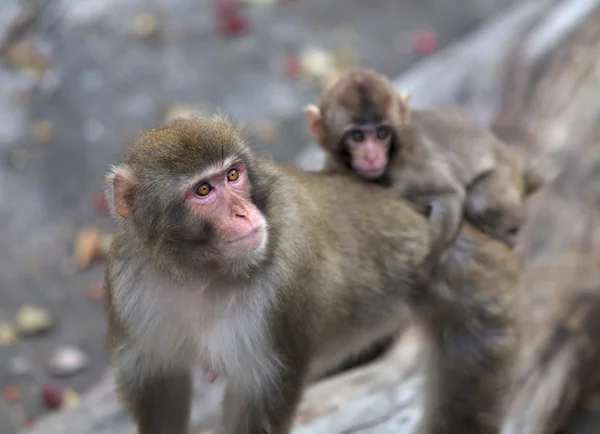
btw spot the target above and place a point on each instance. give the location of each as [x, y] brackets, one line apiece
[437, 158]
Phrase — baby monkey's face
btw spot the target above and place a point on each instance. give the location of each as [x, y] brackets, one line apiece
[368, 146]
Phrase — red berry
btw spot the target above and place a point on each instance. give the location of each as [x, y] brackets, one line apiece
[52, 397]
[101, 205]
[425, 42]
[233, 24]
[11, 393]
[292, 67]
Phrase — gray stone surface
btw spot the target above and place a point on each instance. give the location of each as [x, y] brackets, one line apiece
[106, 84]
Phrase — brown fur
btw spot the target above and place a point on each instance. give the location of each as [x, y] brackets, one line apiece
[334, 279]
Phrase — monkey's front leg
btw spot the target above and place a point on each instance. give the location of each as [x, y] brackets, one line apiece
[445, 219]
[267, 408]
[159, 403]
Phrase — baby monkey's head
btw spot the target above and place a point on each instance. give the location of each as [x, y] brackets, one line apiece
[356, 122]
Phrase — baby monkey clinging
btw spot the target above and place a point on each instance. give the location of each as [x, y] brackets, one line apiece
[437, 158]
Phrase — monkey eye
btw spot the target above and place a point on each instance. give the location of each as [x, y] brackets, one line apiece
[203, 189]
[383, 133]
[357, 136]
[513, 231]
[233, 175]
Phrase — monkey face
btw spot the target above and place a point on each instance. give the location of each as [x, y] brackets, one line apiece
[368, 147]
[218, 201]
[192, 197]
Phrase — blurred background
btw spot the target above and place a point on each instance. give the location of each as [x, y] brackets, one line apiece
[80, 78]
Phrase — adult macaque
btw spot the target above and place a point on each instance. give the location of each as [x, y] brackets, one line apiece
[273, 276]
[433, 157]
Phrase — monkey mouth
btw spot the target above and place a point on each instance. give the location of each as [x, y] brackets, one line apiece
[249, 241]
[372, 173]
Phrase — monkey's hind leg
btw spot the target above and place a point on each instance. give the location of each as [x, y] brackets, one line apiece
[159, 404]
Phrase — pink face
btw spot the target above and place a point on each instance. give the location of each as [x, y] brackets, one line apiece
[221, 196]
[368, 146]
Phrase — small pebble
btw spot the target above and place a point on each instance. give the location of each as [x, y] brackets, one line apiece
[425, 42]
[67, 361]
[8, 334]
[51, 397]
[317, 62]
[32, 320]
[11, 394]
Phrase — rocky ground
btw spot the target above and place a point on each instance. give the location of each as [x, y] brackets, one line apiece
[90, 75]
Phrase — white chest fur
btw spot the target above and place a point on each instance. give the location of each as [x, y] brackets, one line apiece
[174, 326]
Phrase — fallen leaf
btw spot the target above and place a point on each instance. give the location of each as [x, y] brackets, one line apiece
[8, 334]
[88, 241]
[11, 394]
[70, 398]
[67, 361]
[51, 397]
[425, 42]
[42, 131]
[27, 55]
[32, 320]
[146, 24]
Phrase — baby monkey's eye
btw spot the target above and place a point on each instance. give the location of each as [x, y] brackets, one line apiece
[357, 136]
[233, 175]
[383, 133]
[203, 189]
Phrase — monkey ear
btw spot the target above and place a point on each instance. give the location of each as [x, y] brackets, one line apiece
[120, 188]
[315, 124]
[403, 100]
[533, 179]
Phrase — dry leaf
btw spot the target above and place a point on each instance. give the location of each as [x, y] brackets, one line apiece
[88, 243]
[27, 56]
[70, 398]
[32, 319]
[8, 335]
[146, 24]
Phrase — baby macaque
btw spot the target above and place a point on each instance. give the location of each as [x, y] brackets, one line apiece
[437, 158]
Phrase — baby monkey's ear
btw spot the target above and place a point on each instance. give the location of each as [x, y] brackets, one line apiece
[403, 100]
[315, 122]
